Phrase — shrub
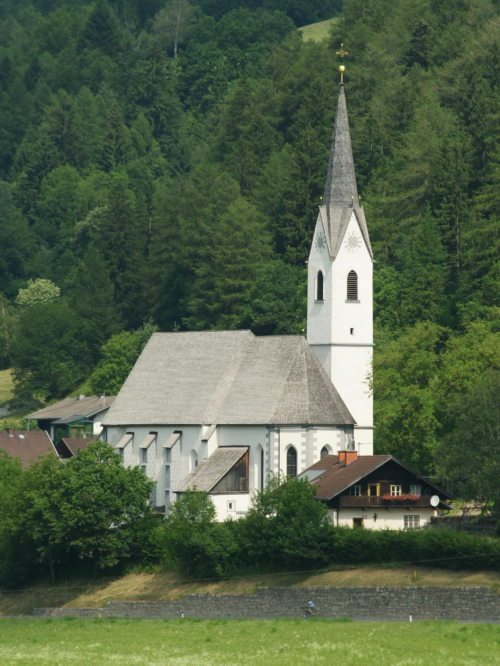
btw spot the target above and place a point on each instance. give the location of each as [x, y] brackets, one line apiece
[191, 540]
[433, 547]
[286, 526]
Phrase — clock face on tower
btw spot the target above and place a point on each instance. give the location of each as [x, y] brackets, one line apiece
[320, 241]
[353, 242]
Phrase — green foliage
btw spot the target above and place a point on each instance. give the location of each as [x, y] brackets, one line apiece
[286, 526]
[469, 455]
[90, 512]
[406, 402]
[185, 189]
[193, 542]
[38, 292]
[430, 547]
[49, 356]
[119, 354]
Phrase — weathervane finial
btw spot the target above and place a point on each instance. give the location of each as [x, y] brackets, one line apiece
[342, 53]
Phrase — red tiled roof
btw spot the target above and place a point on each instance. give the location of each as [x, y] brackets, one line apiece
[335, 478]
[76, 444]
[27, 446]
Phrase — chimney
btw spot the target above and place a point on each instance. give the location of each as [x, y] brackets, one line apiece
[347, 457]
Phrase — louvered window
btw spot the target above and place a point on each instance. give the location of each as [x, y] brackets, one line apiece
[319, 286]
[352, 286]
[291, 462]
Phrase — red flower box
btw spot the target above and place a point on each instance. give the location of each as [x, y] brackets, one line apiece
[405, 497]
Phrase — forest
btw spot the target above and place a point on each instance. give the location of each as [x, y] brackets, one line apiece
[161, 166]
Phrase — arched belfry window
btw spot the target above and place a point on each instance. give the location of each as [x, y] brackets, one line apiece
[319, 286]
[352, 286]
[291, 462]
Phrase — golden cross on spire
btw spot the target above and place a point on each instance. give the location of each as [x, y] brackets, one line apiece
[342, 53]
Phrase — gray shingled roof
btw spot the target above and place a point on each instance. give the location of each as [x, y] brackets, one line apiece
[227, 377]
[211, 471]
[82, 406]
[340, 197]
[340, 186]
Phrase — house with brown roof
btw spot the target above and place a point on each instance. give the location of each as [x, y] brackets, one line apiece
[77, 416]
[27, 446]
[375, 492]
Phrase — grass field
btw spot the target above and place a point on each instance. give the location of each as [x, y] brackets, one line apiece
[166, 585]
[317, 32]
[6, 386]
[245, 642]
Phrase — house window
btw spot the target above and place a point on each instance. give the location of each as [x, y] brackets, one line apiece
[231, 505]
[325, 451]
[168, 455]
[319, 286]
[291, 462]
[167, 476]
[356, 491]
[352, 286]
[411, 522]
[396, 490]
[357, 522]
[373, 489]
[416, 490]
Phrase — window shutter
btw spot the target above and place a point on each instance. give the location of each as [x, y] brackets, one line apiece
[352, 286]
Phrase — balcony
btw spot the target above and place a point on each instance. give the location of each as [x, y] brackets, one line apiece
[364, 501]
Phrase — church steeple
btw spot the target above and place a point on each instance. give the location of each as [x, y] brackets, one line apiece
[340, 284]
[340, 186]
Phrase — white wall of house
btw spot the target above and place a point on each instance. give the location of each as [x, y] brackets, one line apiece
[386, 519]
[231, 506]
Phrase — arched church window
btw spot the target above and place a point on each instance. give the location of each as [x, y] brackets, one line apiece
[319, 286]
[291, 462]
[352, 286]
[325, 451]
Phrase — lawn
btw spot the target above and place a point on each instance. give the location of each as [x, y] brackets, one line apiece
[6, 386]
[234, 643]
[317, 32]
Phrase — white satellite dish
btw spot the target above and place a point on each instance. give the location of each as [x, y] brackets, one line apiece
[435, 500]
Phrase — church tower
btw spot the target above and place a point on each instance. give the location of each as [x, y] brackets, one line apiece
[340, 285]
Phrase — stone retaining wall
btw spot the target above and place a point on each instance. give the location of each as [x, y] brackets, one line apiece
[470, 604]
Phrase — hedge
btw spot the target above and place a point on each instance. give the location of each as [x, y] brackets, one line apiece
[431, 547]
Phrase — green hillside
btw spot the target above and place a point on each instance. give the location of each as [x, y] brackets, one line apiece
[317, 32]
[173, 177]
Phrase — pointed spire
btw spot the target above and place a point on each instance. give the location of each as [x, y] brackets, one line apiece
[340, 187]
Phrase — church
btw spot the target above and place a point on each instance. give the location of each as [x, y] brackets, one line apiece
[221, 411]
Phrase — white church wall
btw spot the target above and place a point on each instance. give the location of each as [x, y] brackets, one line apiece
[319, 313]
[180, 454]
[255, 437]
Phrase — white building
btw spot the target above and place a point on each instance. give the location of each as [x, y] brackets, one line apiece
[221, 411]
